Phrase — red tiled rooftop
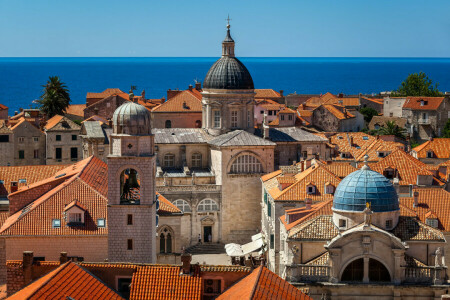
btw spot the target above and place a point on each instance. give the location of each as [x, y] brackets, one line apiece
[439, 147]
[430, 103]
[263, 284]
[67, 281]
[185, 101]
[76, 110]
[267, 93]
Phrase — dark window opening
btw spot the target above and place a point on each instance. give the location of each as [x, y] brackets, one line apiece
[130, 244]
[168, 124]
[21, 154]
[4, 138]
[129, 219]
[58, 137]
[74, 137]
[272, 241]
[378, 272]
[354, 271]
[123, 287]
[212, 286]
[36, 153]
[74, 153]
[58, 153]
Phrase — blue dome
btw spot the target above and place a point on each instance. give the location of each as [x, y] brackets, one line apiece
[364, 186]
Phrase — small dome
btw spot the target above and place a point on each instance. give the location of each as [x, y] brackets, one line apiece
[131, 118]
[364, 186]
[228, 73]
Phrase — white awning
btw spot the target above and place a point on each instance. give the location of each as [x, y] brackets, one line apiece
[252, 246]
[233, 249]
[257, 236]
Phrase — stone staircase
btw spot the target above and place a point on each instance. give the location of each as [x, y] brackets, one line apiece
[206, 248]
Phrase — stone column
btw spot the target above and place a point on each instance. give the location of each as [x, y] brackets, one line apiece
[335, 257]
[398, 269]
[366, 270]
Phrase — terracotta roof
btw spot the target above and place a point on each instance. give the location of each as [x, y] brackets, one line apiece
[2, 107]
[376, 100]
[340, 169]
[286, 110]
[96, 118]
[440, 148]
[318, 228]
[166, 206]
[75, 203]
[436, 200]
[83, 181]
[263, 284]
[430, 103]
[185, 101]
[270, 175]
[275, 122]
[164, 282]
[269, 104]
[338, 111]
[32, 174]
[406, 166]
[61, 123]
[411, 229]
[266, 93]
[69, 281]
[316, 174]
[305, 113]
[76, 109]
[107, 93]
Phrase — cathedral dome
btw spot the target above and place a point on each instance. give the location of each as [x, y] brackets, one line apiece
[131, 118]
[228, 72]
[365, 186]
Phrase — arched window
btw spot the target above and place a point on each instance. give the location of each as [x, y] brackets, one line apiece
[197, 160]
[169, 160]
[354, 271]
[198, 124]
[129, 187]
[208, 205]
[165, 240]
[182, 205]
[168, 124]
[246, 164]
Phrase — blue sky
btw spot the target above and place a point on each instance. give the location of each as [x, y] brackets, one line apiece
[297, 28]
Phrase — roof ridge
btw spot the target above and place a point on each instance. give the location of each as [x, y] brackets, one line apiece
[50, 275]
[258, 277]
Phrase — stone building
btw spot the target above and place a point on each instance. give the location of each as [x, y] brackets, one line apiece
[27, 143]
[378, 122]
[426, 116]
[362, 235]
[374, 103]
[63, 144]
[3, 112]
[392, 106]
[95, 139]
[337, 118]
[183, 110]
[131, 186]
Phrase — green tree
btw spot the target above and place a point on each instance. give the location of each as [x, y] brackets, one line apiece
[417, 85]
[368, 113]
[392, 129]
[446, 133]
[55, 98]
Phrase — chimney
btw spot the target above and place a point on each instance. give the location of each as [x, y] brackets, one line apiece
[27, 266]
[190, 87]
[308, 202]
[281, 93]
[143, 95]
[16, 113]
[63, 258]
[198, 86]
[302, 166]
[351, 140]
[341, 95]
[14, 186]
[186, 261]
[416, 199]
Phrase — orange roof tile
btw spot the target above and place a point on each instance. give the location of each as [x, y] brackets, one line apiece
[32, 174]
[406, 166]
[166, 206]
[185, 101]
[263, 284]
[3, 107]
[430, 103]
[338, 111]
[96, 118]
[275, 122]
[435, 200]
[106, 93]
[286, 110]
[440, 148]
[52, 122]
[67, 281]
[266, 93]
[76, 109]
[164, 282]
[270, 175]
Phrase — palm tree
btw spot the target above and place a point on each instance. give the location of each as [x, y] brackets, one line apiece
[55, 98]
[392, 129]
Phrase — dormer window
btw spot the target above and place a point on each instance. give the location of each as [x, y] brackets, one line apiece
[382, 154]
[56, 223]
[101, 223]
[389, 173]
[389, 224]
[432, 222]
[422, 102]
[329, 188]
[342, 223]
[429, 154]
[75, 212]
[310, 189]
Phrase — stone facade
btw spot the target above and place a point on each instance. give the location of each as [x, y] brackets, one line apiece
[327, 121]
[63, 147]
[392, 106]
[177, 120]
[104, 108]
[29, 145]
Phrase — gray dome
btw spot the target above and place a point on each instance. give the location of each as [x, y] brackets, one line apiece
[228, 73]
[364, 186]
[131, 118]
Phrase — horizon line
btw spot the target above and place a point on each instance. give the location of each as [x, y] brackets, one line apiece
[404, 57]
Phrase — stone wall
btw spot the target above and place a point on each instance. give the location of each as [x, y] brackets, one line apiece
[392, 107]
[325, 120]
[104, 108]
[177, 119]
[183, 154]
[28, 132]
[7, 150]
[66, 144]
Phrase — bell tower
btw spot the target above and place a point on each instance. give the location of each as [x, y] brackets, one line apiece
[131, 186]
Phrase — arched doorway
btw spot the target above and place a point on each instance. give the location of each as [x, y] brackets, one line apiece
[354, 271]
[168, 124]
[378, 272]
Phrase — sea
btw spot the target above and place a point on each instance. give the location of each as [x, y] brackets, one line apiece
[21, 79]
